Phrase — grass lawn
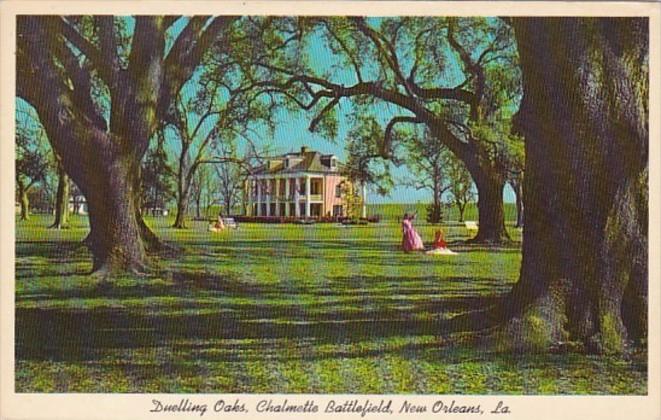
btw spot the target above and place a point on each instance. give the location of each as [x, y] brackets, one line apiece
[279, 309]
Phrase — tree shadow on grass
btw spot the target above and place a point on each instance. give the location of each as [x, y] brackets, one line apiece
[191, 316]
[255, 319]
[58, 251]
[388, 245]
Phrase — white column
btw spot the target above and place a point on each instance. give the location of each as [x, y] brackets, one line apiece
[268, 197]
[258, 186]
[277, 197]
[287, 199]
[247, 196]
[297, 197]
[364, 194]
[307, 196]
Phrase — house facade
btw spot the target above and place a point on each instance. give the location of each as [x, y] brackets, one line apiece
[304, 184]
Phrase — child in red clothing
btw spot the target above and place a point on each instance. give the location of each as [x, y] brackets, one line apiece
[440, 247]
[439, 240]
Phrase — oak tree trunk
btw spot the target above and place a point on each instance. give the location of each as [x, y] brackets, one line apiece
[584, 113]
[102, 153]
[25, 205]
[182, 210]
[491, 217]
[461, 208]
[115, 238]
[61, 200]
[198, 199]
[24, 201]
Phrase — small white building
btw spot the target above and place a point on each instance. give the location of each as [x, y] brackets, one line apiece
[78, 204]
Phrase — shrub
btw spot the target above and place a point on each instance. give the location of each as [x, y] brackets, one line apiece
[434, 213]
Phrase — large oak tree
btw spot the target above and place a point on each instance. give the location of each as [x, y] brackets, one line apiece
[100, 89]
[585, 120]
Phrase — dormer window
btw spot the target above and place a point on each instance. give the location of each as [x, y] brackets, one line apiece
[333, 163]
[287, 163]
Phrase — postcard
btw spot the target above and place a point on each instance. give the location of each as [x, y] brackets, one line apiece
[357, 210]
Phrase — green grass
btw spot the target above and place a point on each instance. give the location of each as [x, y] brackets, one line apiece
[393, 212]
[279, 309]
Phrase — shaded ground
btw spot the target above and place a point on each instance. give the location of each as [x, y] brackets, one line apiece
[273, 308]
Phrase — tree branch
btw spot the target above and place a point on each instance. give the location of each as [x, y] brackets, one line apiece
[109, 48]
[386, 49]
[186, 54]
[344, 47]
[91, 52]
[387, 137]
[315, 121]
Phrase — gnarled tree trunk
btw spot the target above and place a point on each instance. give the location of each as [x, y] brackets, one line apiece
[584, 114]
[115, 237]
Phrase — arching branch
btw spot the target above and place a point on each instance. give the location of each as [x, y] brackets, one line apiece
[86, 47]
[388, 134]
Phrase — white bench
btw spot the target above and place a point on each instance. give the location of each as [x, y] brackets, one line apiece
[471, 225]
[230, 223]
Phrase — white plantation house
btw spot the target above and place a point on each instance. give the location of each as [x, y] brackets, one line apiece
[305, 184]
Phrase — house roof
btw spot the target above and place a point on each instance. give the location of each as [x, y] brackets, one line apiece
[311, 161]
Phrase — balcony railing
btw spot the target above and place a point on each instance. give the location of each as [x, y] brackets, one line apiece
[292, 197]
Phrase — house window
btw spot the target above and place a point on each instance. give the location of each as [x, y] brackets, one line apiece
[333, 163]
[338, 191]
[315, 187]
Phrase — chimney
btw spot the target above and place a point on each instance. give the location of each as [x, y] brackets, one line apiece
[304, 149]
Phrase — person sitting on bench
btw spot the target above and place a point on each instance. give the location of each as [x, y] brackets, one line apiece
[219, 225]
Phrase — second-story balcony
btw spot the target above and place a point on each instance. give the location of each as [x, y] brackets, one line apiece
[283, 198]
[314, 197]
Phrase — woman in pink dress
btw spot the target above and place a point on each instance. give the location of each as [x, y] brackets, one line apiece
[411, 241]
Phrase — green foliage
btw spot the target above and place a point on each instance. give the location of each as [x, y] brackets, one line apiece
[394, 212]
[429, 159]
[434, 213]
[461, 185]
[33, 158]
[611, 334]
[366, 163]
[352, 198]
[156, 179]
